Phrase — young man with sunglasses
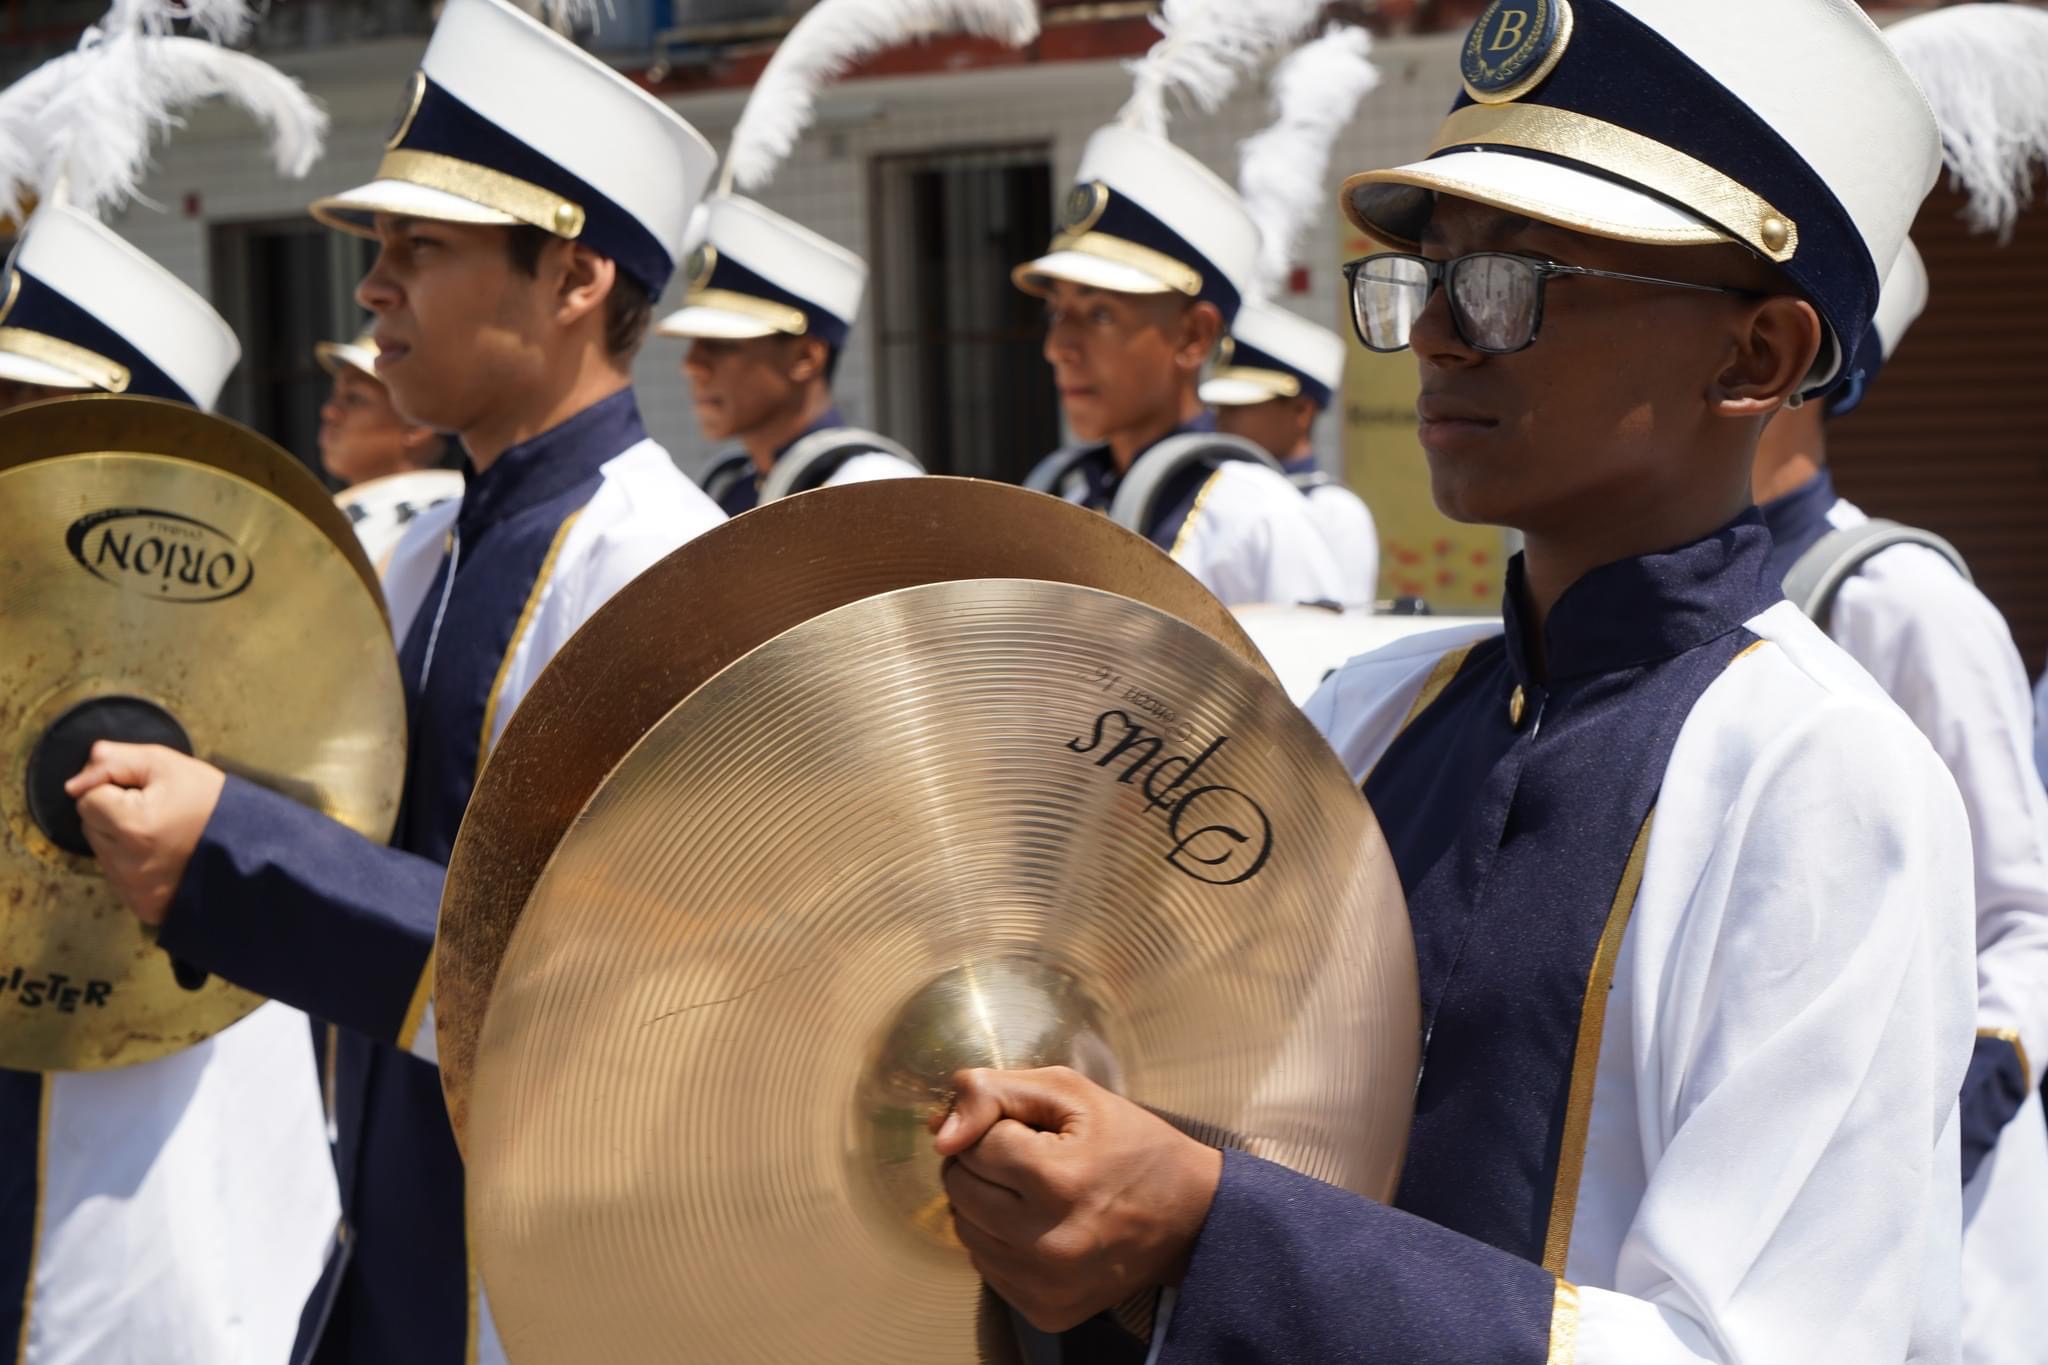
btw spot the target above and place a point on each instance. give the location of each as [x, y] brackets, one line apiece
[522, 243]
[1691, 897]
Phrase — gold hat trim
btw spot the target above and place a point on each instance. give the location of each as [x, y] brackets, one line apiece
[529, 203]
[1283, 384]
[1174, 274]
[781, 316]
[76, 361]
[331, 358]
[1737, 211]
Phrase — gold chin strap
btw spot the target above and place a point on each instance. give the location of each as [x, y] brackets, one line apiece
[529, 203]
[1283, 384]
[781, 316]
[1718, 198]
[1175, 275]
[90, 366]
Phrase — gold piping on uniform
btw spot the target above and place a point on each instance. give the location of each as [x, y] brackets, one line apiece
[1176, 275]
[529, 203]
[1432, 687]
[1624, 152]
[1578, 1114]
[1283, 384]
[35, 1236]
[76, 361]
[1180, 538]
[526, 613]
[1564, 1324]
[781, 316]
[2006, 1035]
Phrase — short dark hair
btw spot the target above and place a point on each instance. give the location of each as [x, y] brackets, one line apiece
[628, 309]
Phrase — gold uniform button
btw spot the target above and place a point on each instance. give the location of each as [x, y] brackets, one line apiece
[1517, 704]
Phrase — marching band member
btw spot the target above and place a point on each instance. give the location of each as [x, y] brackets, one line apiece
[1152, 259]
[390, 468]
[1691, 896]
[1901, 603]
[522, 243]
[1280, 371]
[221, 1145]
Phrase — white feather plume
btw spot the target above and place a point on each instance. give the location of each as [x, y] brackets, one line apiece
[1281, 169]
[22, 154]
[831, 37]
[96, 130]
[1985, 70]
[1207, 47]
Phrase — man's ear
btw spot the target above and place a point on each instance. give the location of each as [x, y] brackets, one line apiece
[587, 280]
[807, 359]
[1201, 330]
[1770, 354]
[1305, 412]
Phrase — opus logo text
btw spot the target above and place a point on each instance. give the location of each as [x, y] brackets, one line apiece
[1220, 835]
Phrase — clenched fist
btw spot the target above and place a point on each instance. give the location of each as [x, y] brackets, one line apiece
[1070, 1199]
[144, 808]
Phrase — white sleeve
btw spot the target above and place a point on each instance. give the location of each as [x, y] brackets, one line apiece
[870, 467]
[1251, 539]
[1943, 652]
[1797, 1023]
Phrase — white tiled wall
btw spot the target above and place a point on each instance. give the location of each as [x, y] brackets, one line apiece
[824, 185]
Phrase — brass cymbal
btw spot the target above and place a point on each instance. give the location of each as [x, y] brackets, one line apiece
[975, 823]
[729, 590]
[161, 588]
[104, 421]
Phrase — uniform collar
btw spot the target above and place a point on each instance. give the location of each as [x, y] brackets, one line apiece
[549, 464]
[1798, 519]
[1294, 468]
[1649, 607]
[827, 419]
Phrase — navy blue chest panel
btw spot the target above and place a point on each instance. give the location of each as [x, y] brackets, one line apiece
[22, 1097]
[1797, 522]
[1175, 503]
[1514, 845]
[741, 494]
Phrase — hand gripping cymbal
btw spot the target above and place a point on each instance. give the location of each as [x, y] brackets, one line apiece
[166, 577]
[726, 592]
[991, 822]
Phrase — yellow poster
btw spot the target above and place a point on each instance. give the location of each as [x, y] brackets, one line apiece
[1456, 569]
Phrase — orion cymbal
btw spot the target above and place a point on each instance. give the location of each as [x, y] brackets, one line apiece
[161, 588]
[104, 421]
[976, 823]
[720, 595]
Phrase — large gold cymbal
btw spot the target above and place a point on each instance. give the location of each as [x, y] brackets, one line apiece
[158, 588]
[104, 421]
[917, 833]
[722, 594]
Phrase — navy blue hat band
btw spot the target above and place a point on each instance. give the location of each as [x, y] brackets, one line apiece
[39, 309]
[730, 276]
[442, 125]
[1619, 87]
[1246, 357]
[1124, 219]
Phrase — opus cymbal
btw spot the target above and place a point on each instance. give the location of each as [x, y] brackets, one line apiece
[928, 830]
[729, 590]
[165, 577]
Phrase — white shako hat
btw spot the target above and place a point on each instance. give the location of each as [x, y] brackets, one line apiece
[1788, 126]
[1903, 301]
[754, 273]
[1273, 353]
[359, 354]
[1145, 217]
[507, 122]
[82, 309]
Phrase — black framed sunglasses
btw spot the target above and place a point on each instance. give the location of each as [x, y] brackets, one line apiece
[1496, 298]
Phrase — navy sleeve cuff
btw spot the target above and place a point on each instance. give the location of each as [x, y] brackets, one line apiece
[1290, 1269]
[1993, 1090]
[281, 900]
